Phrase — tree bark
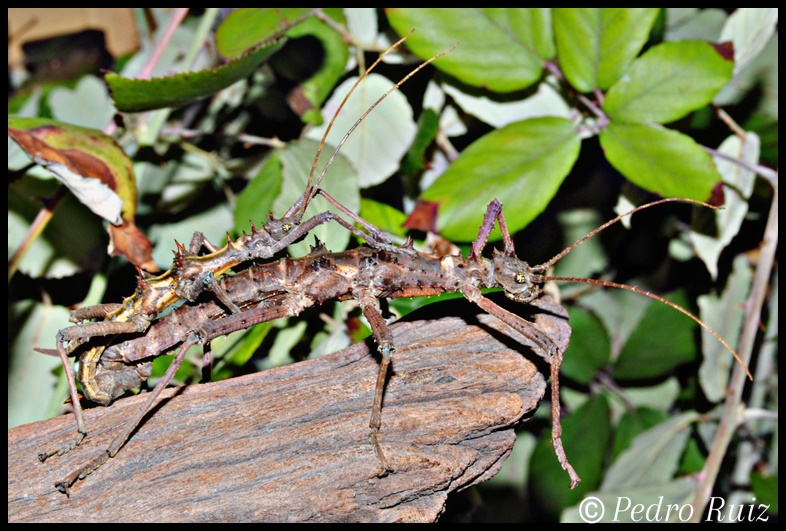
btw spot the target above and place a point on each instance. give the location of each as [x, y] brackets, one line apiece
[291, 444]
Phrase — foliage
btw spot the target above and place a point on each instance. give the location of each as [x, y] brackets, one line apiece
[565, 115]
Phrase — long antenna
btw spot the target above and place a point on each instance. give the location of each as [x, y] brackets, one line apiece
[308, 195]
[545, 265]
[658, 298]
[311, 191]
[373, 106]
[542, 268]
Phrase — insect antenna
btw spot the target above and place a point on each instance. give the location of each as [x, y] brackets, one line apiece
[547, 264]
[302, 203]
[542, 268]
[312, 190]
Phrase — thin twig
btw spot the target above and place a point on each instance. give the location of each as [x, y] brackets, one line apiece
[767, 173]
[36, 228]
[174, 23]
[733, 413]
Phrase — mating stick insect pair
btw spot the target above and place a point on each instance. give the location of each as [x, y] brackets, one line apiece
[267, 291]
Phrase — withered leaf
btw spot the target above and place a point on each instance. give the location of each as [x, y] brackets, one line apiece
[98, 172]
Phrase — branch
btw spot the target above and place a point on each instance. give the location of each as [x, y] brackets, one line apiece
[291, 444]
[733, 413]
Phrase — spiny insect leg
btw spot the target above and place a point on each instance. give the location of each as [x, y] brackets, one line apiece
[384, 339]
[552, 354]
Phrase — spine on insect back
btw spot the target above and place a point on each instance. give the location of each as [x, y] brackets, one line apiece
[296, 283]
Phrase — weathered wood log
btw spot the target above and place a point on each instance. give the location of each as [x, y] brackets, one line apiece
[291, 444]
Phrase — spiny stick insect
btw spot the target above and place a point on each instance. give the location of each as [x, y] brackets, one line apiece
[289, 286]
[275, 295]
[192, 274]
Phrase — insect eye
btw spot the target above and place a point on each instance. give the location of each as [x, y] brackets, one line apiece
[286, 227]
[521, 278]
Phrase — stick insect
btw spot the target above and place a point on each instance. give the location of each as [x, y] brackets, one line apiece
[365, 274]
[191, 273]
[102, 372]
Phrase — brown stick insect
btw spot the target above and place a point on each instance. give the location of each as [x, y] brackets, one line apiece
[191, 273]
[276, 295]
[365, 274]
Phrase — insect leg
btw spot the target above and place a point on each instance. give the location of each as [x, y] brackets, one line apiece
[377, 236]
[384, 340]
[202, 335]
[198, 240]
[77, 334]
[493, 212]
[80, 423]
[552, 354]
[97, 311]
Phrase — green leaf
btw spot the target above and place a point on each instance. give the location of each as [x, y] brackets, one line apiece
[660, 160]
[186, 373]
[363, 25]
[256, 199]
[137, 95]
[589, 347]
[500, 49]
[239, 352]
[93, 166]
[693, 459]
[185, 177]
[596, 45]
[653, 457]
[546, 101]
[88, 104]
[548, 482]
[428, 126]
[383, 216]
[737, 189]
[71, 244]
[749, 29]
[522, 164]
[766, 490]
[660, 396]
[633, 423]
[280, 352]
[588, 259]
[31, 381]
[663, 340]
[96, 170]
[669, 81]
[321, 83]
[620, 311]
[691, 23]
[405, 306]
[377, 146]
[724, 313]
[245, 28]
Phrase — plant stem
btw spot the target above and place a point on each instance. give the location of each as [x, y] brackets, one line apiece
[733, 409]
